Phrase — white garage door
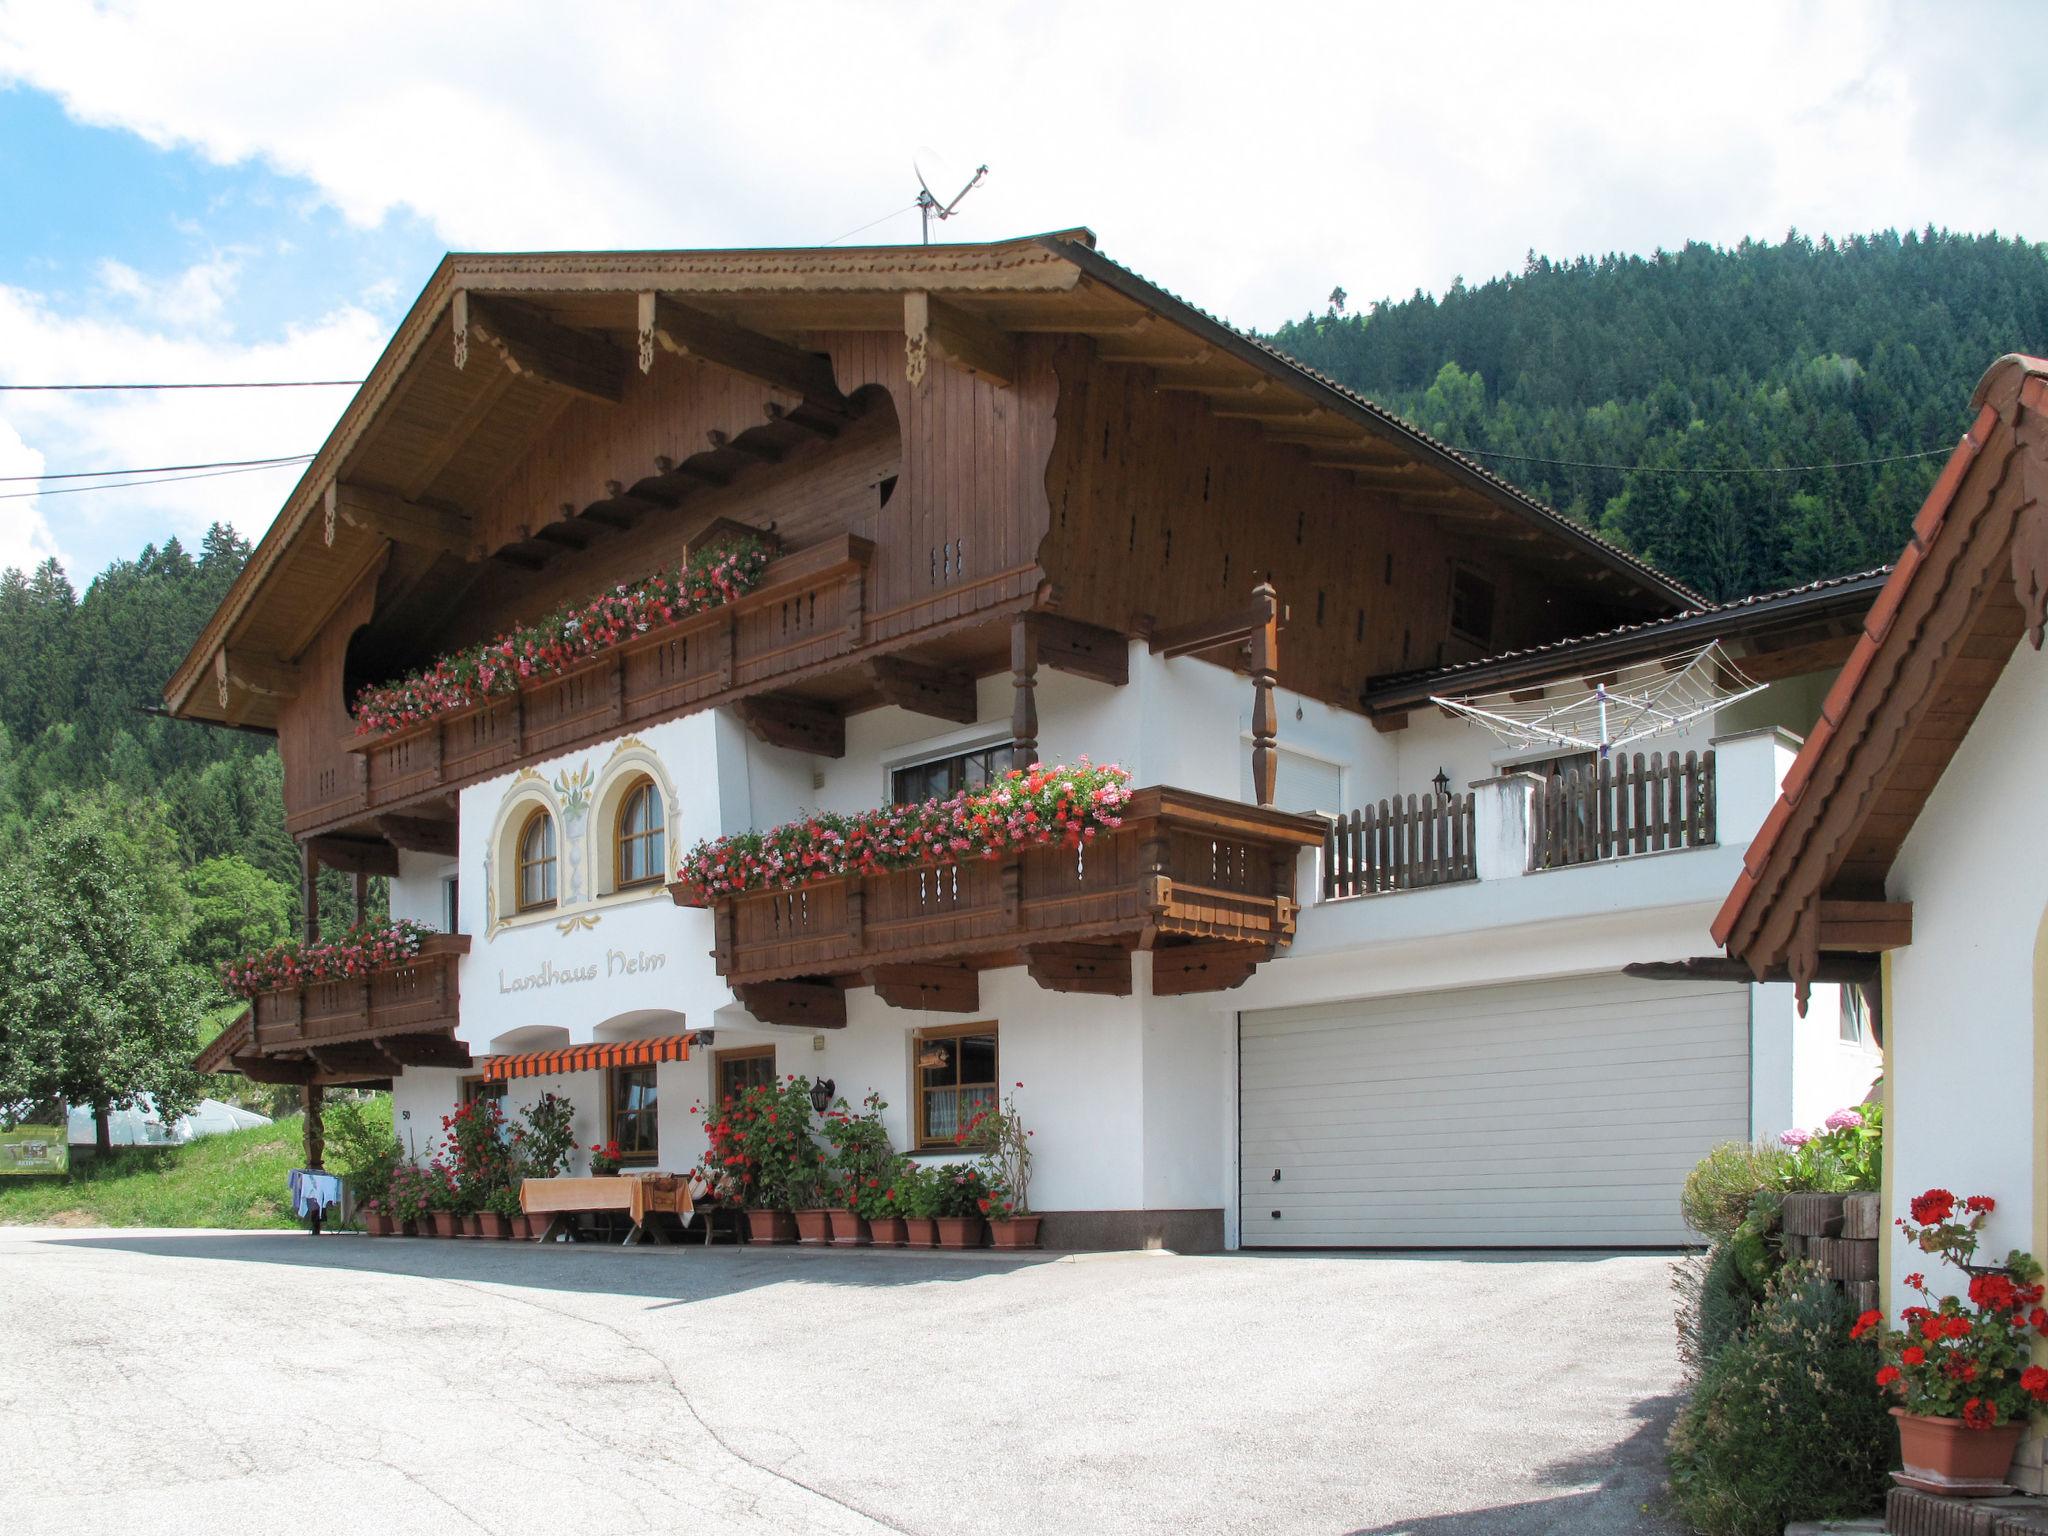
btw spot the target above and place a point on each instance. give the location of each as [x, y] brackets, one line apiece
[1554, 1113]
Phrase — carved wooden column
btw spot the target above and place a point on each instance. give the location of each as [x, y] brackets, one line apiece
[1265, 667]
[1024, 677]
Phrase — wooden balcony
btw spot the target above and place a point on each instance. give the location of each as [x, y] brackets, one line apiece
[356, 1030]
[807, 614]
[1206, 885]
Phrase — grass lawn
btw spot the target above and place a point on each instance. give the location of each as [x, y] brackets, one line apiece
[236, 1180]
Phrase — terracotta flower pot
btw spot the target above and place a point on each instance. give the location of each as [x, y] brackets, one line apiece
[920, 1232]
[532, 1228]
[472, 1225]
[814, 1226]
[446, 1223]
[887, 1231]
[849, 1230]
[1947, 1456]
[491, 1224]
[1014, 1231]
[959, 1231]
[377, 1224]
[770, 1227]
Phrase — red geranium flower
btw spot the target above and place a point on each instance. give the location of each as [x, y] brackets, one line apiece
[1978, 1414]
[1890, 1374]
[1937, 1205]
[2034, 1382]
[1912, 1354]
[1865, 1323]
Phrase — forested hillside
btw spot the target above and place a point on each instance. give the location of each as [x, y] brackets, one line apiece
[1685, 365]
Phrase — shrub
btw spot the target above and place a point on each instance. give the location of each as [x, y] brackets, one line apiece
[1845, 1155]
[861, 1155]
[1783, 1424]
[548, 1137]
[361, 1147]
[1716, 1302]
[1719, 1191]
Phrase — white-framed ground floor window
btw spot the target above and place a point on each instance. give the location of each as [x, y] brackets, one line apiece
[956, 1076]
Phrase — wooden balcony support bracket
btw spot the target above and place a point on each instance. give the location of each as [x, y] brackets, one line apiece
[355, 855]
[535, 347]
[353, 1059]
[945, 693]
[237, 675]
[426, 1050]
[670, 326]
[929, 988]
[1082, 650]
[1224, 629]
[420, 834]
[1103, 970]
[387, 515]
[1865, 927]
[1181, 969]
[1024, 702]
[798, 725]
[805, 1004]
[935, 331]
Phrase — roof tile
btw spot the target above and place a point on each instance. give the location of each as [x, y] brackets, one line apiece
[1803, 765]
[1731, 909]
[1767, 834]
[1878, 622]
[1835, 707]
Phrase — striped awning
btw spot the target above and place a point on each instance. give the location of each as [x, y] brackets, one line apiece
[588, 1058]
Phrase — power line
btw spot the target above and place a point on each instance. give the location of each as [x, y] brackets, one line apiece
[231, 384]
[122, 485]
[1704, 469]
[885, 218]
[168, 469]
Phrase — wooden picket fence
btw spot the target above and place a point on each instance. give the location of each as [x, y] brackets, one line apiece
[1622, 806]
[1400, 846]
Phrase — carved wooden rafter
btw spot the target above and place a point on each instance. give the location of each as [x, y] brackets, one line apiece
[935, 331]
[670, 326]
[238, 674]
[387, 515]
[1082, 650]
[535, 347]
[421, 834]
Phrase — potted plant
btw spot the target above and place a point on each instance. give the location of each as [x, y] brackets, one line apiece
[763, 1144]
[1010, 1221]
[961, 1188]
[807, 1199]
[917, 1194]
[884, 1207]
[444, 1202]
[377, 1221]
[1962, 1369]
[501, 1209]
[861, 1155]
[411, 1199]
[605, 1159]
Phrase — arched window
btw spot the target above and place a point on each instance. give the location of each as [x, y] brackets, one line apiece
[636, 837]
[536, 884]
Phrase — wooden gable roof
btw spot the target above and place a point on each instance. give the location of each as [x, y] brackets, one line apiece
[1970, 583]
[428, 436]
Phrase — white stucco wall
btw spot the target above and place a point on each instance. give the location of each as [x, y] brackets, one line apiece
[1966, 1084]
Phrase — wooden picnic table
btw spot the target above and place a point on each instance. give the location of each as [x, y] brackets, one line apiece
[636, 1196]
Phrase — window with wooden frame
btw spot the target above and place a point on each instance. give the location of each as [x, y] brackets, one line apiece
[955, 1073]
[1472, 605]
[475, 1088]
[637, 837]
[535, 878]
[633, 1119]
[941, 778]
[736, 1071]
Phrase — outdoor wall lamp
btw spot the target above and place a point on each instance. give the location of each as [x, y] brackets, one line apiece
[1442, 781]
[821, 1094]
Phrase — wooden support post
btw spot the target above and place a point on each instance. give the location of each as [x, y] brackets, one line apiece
[1024, 676]
[314, 1098]
[362, 896]
[309, 867]
[1265, 717]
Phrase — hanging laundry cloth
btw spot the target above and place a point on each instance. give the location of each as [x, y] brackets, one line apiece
[313, 1191]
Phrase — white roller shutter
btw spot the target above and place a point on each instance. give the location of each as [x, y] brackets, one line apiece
[1553, 1113]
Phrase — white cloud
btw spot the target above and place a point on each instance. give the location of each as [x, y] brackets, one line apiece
[42, 344]
[25, 540]
[197, 295]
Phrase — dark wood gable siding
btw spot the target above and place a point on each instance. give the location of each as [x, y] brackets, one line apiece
[1160, 508]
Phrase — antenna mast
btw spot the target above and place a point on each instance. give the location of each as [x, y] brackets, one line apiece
[931, 207]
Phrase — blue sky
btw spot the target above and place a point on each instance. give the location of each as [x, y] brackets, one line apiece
[210, 189]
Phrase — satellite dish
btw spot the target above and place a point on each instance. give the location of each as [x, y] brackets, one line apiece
[1645, 699]
[929, 167]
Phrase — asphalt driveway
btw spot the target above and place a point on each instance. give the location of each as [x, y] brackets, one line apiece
[230, 1382]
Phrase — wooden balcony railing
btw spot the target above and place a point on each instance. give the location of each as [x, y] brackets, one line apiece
[419, 998]
[807, 610]
[1396, 846]
[1206, 884]
[1623, 806]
